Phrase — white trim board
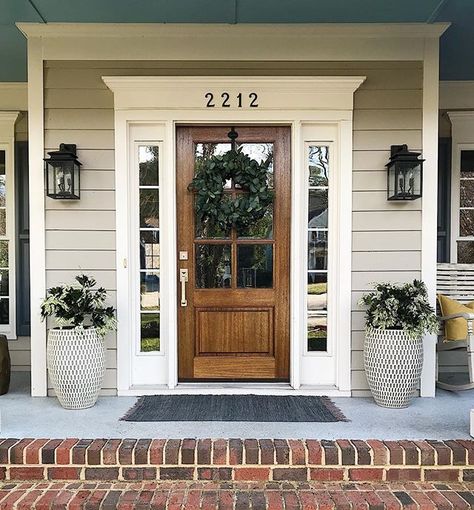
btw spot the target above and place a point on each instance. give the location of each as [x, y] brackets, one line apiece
[149, 108]
[325, 42]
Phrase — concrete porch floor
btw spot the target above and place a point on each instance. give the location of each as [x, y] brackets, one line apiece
[444, 417]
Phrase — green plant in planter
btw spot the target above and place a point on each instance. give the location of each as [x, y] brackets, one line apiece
[400, 306]
[80, 306]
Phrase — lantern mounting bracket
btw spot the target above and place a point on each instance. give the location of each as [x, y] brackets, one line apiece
[68, 147]
[395, 149]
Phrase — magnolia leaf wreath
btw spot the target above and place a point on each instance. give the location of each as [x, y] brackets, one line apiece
[216, 208]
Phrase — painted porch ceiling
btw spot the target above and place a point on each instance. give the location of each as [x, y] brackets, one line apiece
[457, 44]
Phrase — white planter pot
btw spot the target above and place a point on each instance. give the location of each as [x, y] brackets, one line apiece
[393, 363]
[76, 364]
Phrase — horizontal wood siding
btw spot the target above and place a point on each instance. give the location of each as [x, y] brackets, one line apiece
[387, 110]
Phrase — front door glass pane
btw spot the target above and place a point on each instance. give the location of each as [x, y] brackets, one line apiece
[255, 266]
[213, 266]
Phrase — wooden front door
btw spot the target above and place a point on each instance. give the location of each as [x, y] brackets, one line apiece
[235, 322]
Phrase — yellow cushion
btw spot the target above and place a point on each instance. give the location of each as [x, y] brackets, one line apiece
[454, 329]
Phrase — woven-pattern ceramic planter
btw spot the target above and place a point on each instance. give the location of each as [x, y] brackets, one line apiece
[393, 363]
[76, 364]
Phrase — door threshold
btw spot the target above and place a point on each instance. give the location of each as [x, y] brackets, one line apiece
[234, 389]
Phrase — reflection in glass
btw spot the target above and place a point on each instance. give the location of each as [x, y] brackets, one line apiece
[318, 165]
[149, 249]
[149, 208]
[149, 332]
[467, 222]
[318, 208]
[3, 253]
[148, 162]
[467, 193]
[466, 252]
[318, 249]
[317, 291]
[2, 179]
[261, 229]
[4, 283]
[255, 265]
[317, 332]
[213, 266]
[149, 291]
[4, 311]
[263, 154]
[467, 163]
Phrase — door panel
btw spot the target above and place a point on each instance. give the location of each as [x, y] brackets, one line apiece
[235, 325]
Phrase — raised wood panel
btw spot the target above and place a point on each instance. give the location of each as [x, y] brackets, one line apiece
[80, 220]
[377, 201]
[96, 159]
[90, 200]
[84, 138]
[106, 279]
[78, 98]
[382, 140]
[90, 240]
[386, 261]
[386, 241]
[371, 180]
[370, 160]
[234, 331]
[251, 367]
[386, 220]
[76, 118]
[364, 280]
[390, 99]
[388, 119]
[80, 260]
[97, 180]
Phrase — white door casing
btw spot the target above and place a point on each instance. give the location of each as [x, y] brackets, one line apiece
[318, 110]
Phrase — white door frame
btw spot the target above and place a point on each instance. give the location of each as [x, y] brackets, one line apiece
[159, 104]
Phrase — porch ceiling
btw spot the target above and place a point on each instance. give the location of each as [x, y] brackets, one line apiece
[457, 45]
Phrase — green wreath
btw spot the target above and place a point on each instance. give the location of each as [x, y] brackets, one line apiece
[218, 209]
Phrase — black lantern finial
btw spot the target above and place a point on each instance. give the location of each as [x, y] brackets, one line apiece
[62, 170]
[404, 174]
[233, 135]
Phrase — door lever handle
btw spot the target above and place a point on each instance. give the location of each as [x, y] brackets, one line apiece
[183, 278]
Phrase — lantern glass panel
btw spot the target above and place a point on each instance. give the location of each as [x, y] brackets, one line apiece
[391, 180]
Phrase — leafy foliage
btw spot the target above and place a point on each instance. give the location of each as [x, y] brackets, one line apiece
[402, 306]
[80, 306]
[221, 210]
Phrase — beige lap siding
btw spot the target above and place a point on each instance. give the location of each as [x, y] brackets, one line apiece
[386, 238]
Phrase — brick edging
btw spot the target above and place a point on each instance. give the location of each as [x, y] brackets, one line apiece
[236, 459]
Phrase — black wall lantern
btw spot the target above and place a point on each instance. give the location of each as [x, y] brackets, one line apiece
[62, 170]
[404, 174]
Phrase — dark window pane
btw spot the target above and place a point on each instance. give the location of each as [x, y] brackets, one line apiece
[150, 332]
[4, 283]
[467, 193]
[261, 229]
[466, 217]
[213, 266]
[149, 249]
[318, 249]
[148, 158]
[3, 253]
[255, 265]
[318, 165]
[317, 291]
[466, 252]
[318, 209]
[467, 163]
[149, 291]
[149, 208]
[4, 311]
[262, 153]
[317, 333]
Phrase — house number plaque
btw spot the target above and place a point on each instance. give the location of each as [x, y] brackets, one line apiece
[227, 101]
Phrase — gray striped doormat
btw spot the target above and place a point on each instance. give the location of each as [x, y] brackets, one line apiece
[258, 408]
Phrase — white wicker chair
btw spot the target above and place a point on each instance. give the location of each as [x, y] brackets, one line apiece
[457, 282]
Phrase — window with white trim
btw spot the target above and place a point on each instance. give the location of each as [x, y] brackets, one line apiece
[465, 239]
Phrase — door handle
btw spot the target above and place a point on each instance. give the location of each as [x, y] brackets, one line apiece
[183, 278]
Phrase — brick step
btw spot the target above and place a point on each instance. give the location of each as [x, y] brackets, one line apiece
[235, 496]
[236, 460]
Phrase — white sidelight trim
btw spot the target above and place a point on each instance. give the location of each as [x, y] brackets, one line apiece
[218, 41]
[429, 205]
[37, 216]
[318, 110]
